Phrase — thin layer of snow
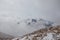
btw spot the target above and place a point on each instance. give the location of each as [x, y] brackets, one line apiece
[52, 33]
[48, 37]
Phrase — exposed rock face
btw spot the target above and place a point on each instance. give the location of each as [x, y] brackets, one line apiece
[51, 33]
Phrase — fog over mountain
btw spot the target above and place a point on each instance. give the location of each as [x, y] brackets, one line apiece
[13, 11]
[17, 27]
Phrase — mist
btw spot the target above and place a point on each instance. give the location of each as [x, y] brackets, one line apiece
[12, 11]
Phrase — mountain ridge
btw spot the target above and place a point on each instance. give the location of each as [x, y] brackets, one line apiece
[51, 33]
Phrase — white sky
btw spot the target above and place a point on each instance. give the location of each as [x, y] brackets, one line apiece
[30, 8]
[11, 9]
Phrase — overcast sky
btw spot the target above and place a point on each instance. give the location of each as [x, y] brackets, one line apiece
[11, 10]
[49, 9]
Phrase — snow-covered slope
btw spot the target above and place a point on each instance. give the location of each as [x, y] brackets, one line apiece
[51, 33]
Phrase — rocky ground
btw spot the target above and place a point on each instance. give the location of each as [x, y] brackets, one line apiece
[51, 33]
